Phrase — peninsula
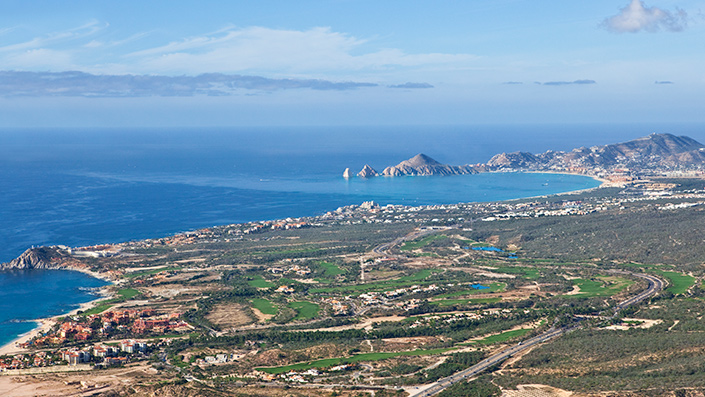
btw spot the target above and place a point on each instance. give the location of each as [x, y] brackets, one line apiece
[653, 154]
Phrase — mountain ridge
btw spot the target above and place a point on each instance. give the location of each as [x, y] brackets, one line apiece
[655, 152]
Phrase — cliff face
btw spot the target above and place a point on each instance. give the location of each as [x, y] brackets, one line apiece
[654, 151]
[36, 258]
[424, 165]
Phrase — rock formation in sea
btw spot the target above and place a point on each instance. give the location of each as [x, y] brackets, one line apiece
[37, 258]
[367, 172]
[347, 173]
[424, 165]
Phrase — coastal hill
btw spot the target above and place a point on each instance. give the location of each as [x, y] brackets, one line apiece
[424, 165]
[656, 151]
[37, 258]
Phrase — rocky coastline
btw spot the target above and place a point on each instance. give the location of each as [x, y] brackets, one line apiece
[649, 154]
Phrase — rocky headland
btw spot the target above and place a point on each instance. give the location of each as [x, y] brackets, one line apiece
[421, 164]
[656, 152]
[38, 258]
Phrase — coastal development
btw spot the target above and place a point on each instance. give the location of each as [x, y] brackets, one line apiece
[589, 293]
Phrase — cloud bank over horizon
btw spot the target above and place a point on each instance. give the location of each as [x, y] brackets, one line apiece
[73, 83]
[575, 82]
[411, 85]
[636, 17]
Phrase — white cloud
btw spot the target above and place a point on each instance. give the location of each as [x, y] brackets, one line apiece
[313, 53]
[57, 38]
[637, 17]
[264, 50]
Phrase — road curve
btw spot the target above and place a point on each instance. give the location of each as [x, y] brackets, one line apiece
[655, 285]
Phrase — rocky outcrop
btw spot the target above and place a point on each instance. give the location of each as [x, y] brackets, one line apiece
[513, 160]
[424, 165]
[37, 258]
[367, 172]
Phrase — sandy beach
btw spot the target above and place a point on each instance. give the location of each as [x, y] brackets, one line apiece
[45, 324]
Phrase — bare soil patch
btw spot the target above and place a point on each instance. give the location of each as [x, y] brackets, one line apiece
[537, 391]
[229, 315]
[261, 317]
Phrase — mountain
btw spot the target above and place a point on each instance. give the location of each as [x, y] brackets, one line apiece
[656, 151]
[424, 165]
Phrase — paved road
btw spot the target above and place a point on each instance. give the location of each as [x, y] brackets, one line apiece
[655, 285]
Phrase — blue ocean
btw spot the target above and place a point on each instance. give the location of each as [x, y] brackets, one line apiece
[88, 186]
[26, 295]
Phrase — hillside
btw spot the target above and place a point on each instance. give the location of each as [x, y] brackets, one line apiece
[421, 164]
[656, 151]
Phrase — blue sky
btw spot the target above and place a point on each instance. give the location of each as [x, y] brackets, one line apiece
[348, 62]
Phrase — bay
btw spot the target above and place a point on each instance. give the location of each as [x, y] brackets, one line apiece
[92, 186]
[84, 187]
[26, 295]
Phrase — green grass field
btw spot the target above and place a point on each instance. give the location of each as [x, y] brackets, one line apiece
[98, 309]
[606, 286]
[413, 245]
[265, 306]
[260, 282]
[680, 283]
[389, 285]
[329, 362]
[331, 270]
[128, 293]
[304, 310]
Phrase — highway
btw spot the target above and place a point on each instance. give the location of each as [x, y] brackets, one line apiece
[655, 285]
